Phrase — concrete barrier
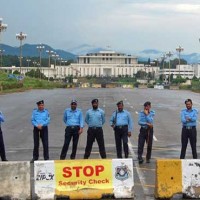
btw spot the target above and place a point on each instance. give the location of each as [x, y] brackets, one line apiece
[142, 86]
[177, 176]
[84, 179]
[15, 180]
[96, 85]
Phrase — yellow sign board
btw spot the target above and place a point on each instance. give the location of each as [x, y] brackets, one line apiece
[83, 174]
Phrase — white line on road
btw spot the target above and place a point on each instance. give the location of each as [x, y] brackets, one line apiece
[154, 138]
[139, 171]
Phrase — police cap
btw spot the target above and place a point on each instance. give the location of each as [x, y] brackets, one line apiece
[120, 102]
[94, 101]
[147, 103]
[40, 102]
[73, 101]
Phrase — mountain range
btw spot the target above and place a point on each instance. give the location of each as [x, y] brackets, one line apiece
[142, 55]
[30, 50]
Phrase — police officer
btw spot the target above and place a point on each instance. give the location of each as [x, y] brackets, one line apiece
[73, 118]
[95, 118]
[122, 124]
[146, 131]
[188, 119]
[40, 120]
[2, 147]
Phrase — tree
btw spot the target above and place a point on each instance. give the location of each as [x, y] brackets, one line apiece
[141, 74]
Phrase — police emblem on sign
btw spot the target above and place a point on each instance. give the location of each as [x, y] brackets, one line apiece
[122, 172]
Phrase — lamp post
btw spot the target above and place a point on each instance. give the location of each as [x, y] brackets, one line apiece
[34, 63]
[55, 56]
[64, 61]
[21, 36]
[1, 53]
[50, 53]
[163, 60]
[169, 54]
[28, 61]
[3, 28]
[179, 49]
[40, 48]
[60, 59]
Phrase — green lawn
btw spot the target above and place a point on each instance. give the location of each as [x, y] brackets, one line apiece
[12, 84]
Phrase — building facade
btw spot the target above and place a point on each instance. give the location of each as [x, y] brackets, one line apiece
[185, 71]
[101, 64]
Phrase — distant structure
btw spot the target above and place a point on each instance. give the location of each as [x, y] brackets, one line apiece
[185, 71]
[106, 63]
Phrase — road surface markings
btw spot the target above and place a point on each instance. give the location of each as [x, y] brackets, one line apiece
[150, 186]
[138, 170]
[154, 138]
[146, 169]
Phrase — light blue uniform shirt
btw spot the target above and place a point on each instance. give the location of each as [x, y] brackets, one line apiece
[95, 118]
[73, 117]
[191, 114]
[1, 117]
[123, 118]
[143, 119]
[40, 117]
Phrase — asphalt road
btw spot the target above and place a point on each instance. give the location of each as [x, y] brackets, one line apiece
[18, 138]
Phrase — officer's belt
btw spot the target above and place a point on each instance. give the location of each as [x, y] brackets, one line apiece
[189, 127]
[73, 127]
[122, 126]
[144, 127]
[95, 127]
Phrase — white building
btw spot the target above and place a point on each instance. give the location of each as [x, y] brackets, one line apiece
[106, 63]
[101, 64]
[196, 70]
[185, 71]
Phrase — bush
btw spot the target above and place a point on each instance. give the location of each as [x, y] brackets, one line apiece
[11, 85]
[150, 86]
[185, 87]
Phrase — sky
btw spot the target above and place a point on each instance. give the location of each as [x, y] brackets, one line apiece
[124, 25]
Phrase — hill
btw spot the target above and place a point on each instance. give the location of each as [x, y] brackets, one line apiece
[30, 50]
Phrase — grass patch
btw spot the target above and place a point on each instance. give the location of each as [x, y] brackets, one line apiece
[13, 85]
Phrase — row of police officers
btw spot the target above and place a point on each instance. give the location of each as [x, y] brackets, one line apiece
[121, 122]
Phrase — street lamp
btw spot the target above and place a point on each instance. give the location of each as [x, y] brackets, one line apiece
[40, 48]
[1, 53]
[169, 54]
[3, 28]
[179, 49]
[60, 59]
[64, 61]
[163, 60]
[55, 56]
[50, 53]
[28, 61]
[21, 36]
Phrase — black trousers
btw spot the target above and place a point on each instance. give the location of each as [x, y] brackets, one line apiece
[43, 134]
[2, 147]
[145, 135]
[70, 132]
[188, 134]
[121, 136]
[92, 134]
